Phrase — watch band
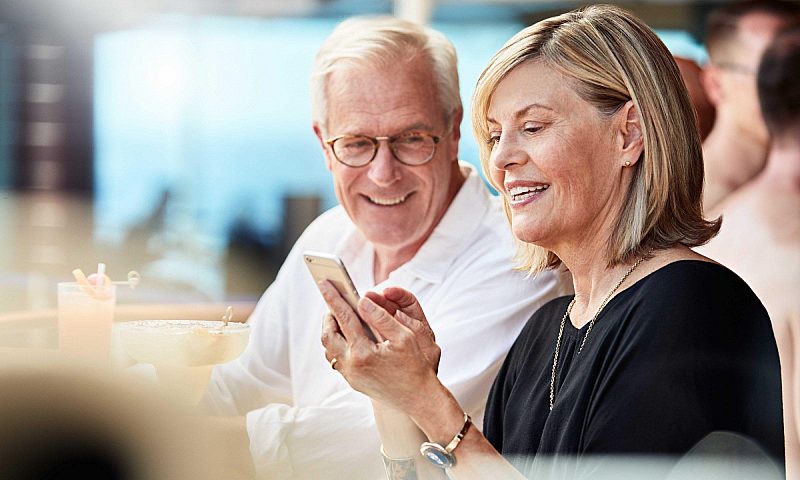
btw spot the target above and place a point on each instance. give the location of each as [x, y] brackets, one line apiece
[457, 439]
[441, 456]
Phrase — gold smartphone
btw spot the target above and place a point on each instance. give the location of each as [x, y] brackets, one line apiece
[326, 266]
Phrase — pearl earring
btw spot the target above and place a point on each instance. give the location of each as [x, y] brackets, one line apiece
[627, 164]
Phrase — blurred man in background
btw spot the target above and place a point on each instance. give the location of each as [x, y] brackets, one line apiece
[760, 235]
[691, 73]
[736, 36]
[387, 112]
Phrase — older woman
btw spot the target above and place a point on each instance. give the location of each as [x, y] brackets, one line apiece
[590, 138]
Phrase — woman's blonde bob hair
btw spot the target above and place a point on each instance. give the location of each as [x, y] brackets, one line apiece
[610, 57]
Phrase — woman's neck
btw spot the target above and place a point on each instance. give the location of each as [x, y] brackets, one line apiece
[592, 279]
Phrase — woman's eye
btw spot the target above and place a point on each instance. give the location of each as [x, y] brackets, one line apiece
[532, 129]
[493, 139]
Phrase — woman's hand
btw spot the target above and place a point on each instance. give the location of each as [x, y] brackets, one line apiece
[396, 370]
[405, 308]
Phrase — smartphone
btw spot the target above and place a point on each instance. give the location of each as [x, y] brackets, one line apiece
[326, 266]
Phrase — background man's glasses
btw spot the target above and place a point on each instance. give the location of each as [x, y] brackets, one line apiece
[413, 148]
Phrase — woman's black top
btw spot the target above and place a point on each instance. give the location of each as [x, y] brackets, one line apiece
[686, 351]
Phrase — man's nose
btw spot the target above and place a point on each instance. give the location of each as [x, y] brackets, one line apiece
[384, 168]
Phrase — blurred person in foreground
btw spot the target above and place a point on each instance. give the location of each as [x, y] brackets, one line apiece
[588, 134]
[763, 217]
[387, 113]
[736, 35]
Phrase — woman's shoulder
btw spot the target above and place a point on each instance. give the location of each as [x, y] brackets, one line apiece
[695, 278]
[698, 295]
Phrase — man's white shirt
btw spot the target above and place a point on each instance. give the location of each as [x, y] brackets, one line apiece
[303, 419]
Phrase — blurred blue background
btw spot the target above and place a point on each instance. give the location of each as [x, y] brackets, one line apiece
[176, 139]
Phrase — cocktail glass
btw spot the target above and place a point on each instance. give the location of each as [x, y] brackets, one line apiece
[183, 352]
[85, 318]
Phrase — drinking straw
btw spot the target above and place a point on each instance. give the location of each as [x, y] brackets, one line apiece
[228, 316]
[101, 274]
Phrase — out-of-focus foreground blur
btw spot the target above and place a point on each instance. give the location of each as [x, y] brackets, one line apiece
[173, 137]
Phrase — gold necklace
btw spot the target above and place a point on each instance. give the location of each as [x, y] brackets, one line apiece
[591, 324]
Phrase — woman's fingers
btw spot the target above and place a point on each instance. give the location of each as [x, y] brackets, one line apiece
[384, 302]
[381, 321]
[406, 302]
[425, 338]
[348, 320]
[332, 339]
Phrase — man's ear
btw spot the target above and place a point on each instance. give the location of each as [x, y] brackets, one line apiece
[630, 134]
[711, 82]
[322, 144]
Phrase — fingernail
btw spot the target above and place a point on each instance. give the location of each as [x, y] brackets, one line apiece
[368, 305]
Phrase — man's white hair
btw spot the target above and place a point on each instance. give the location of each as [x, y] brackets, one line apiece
[378, 42]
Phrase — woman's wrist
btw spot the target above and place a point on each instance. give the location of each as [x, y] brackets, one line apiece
[440, 416]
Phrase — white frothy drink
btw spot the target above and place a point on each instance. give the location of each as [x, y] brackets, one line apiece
[183, 352]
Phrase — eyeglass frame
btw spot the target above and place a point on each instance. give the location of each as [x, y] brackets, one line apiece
[376, 143]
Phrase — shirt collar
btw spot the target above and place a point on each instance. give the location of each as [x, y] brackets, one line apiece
[445, 244]
[455, 229]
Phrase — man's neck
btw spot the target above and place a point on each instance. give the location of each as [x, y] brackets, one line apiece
[731, 160]
[389, 258]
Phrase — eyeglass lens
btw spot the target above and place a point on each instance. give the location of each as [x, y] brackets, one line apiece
[412, 149]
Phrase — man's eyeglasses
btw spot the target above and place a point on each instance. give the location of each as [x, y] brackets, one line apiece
[412, 148]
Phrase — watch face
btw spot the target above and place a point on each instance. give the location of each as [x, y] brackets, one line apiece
[437, 455]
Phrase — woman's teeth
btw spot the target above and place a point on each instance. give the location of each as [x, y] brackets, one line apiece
[521, 193]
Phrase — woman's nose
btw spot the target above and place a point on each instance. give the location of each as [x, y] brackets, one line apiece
[506, 153]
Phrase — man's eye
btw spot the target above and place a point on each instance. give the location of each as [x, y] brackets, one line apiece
[356, 144]
[411, 139]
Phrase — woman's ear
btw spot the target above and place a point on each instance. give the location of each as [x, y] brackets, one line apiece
[630, 134]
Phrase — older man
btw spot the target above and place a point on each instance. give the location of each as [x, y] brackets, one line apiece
[736, 148]
[760, 235]
[387, 111]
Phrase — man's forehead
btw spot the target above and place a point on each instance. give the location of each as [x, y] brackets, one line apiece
[398, 97]
[362, 79]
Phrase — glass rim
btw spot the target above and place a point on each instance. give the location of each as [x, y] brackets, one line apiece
[162, 325]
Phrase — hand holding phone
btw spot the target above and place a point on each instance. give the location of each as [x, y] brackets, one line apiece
[326, 266]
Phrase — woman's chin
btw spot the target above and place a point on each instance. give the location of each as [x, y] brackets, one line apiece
[527, 235]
